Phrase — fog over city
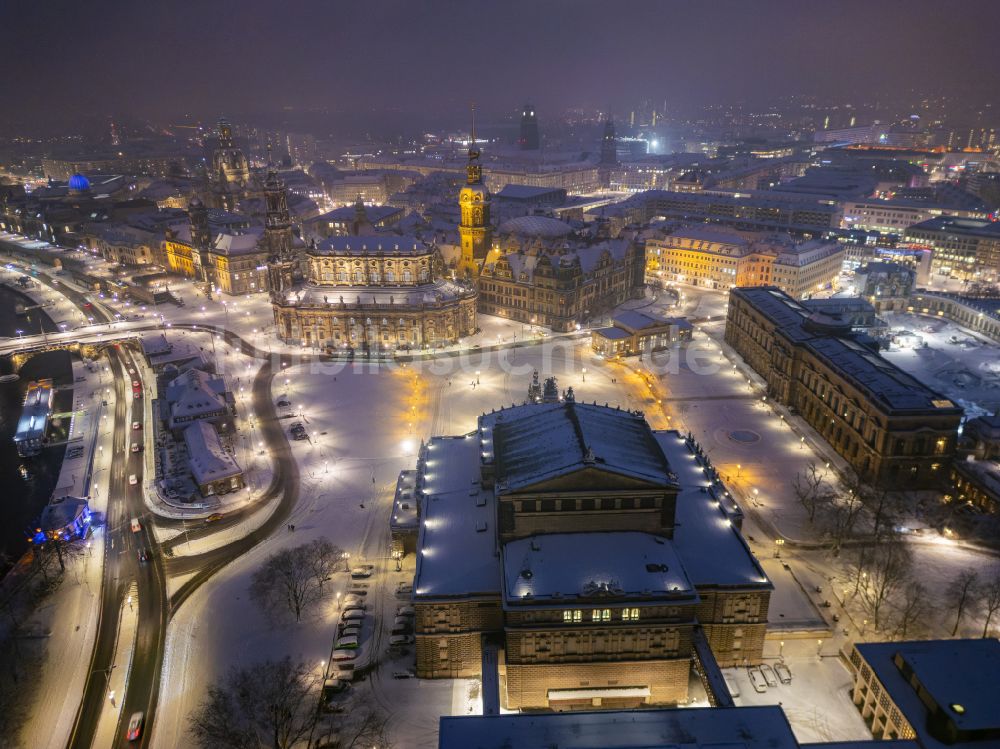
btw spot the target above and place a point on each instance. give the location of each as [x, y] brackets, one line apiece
[481, 375]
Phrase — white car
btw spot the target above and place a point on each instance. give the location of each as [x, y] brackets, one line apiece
[133, 479]
[406, 611]
[352, 615]
[347, 642]
[362, 571]
[343, 655]
[352, 601]
[400, 640]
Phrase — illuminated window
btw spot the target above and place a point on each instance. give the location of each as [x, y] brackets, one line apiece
[601, 615]
[572, 615]
[630, 615]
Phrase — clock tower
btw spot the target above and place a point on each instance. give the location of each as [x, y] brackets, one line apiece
[475, 229]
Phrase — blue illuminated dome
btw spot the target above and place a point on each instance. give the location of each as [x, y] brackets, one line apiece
[79, 183]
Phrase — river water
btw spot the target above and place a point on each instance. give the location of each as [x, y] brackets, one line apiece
[26, 484]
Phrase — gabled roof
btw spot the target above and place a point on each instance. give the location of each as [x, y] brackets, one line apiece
[208, 459]
[568, 437]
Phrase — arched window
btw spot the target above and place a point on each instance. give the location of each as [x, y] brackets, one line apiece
[407, 276]
[374, 276]
[390, 276]
[341, 276]
[359, 277]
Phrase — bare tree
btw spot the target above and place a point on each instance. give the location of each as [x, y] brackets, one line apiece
[962, 592]
[843, 516]
[991, 598]
[808, 488]
[267, 705]
[293, 580]
[883, 506]
[368, 730]
[913, 610]
[888, 570]
[323, 558]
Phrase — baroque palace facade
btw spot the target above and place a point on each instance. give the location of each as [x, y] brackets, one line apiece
[371, 293]
[598, 559]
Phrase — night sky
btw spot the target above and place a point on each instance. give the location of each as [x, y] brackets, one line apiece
[165, 59]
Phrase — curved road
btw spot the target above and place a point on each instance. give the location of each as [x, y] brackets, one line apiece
[122, 564]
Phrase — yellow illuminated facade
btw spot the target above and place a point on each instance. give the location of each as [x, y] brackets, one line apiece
[722, 259]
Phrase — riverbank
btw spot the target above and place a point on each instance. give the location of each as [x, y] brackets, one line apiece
[29, 482]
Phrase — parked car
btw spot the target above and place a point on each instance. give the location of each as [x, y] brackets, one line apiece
[757, 679]
[400, 640]
[783, 672]
[134, 730]
[352, 615]
[406, 611]
[404, 590]
[343, 655]
[347, 642]
[352, 601]
[334, 686]
[349, 629]
[362, 571]
[769, 676]
[734, 688]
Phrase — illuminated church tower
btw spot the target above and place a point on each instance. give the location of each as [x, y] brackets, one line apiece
[475, 229]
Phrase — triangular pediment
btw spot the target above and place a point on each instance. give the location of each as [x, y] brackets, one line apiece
[585, 478]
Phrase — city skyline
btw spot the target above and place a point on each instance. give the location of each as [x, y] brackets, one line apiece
[173, 60]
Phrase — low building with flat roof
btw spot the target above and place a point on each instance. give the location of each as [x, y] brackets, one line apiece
[34, 420]
[633, 333]
[64, 519]
[759, 727]
[939, 693]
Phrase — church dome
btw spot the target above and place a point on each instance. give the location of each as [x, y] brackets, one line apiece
[79, 183]
[536, 226]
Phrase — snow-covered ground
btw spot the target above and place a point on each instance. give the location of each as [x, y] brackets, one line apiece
[961, 365]
[365, 424]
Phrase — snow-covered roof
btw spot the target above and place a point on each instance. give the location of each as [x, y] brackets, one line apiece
[764, 727]
[405, 502]
[712, 549]
[957, 676]
[61, 512]
[207, 457]
[563, 568]
[194, 394]
[374, 243]
[239, 244]
[612, 333]
[405, 296]
[535, 226]
[536, 443]
[458, 541]
[640, 320]
[880, 380]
